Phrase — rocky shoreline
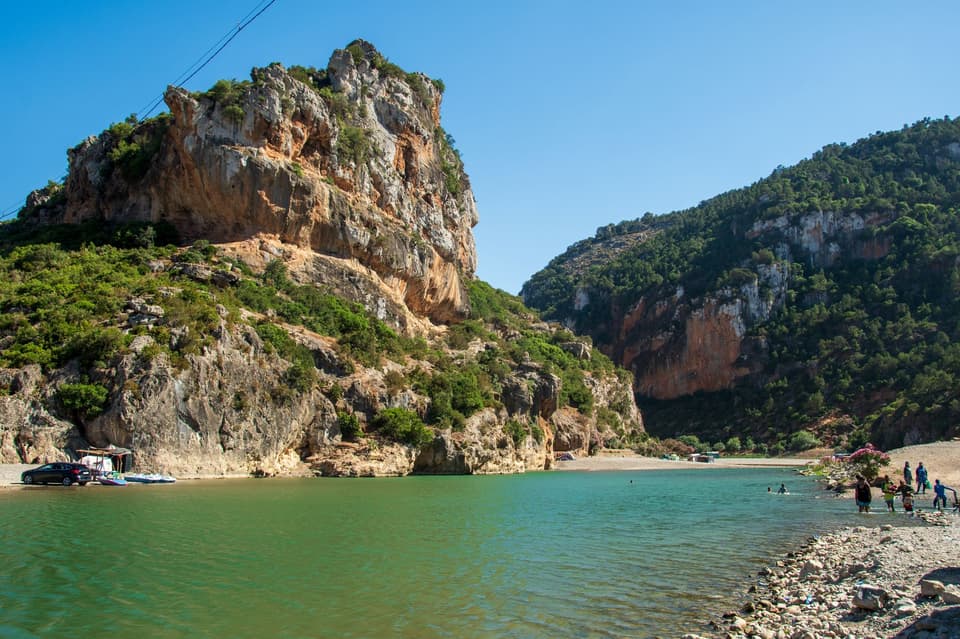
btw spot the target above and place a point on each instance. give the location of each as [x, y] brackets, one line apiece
[894, 577]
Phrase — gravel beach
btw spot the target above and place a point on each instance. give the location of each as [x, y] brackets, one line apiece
[891, 578]
[867, 582]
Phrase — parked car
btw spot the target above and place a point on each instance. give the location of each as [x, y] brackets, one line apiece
[66, 473]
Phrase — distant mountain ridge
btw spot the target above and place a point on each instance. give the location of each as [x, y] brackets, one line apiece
[820, 298]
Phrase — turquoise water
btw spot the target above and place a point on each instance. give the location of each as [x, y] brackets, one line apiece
[625, 554]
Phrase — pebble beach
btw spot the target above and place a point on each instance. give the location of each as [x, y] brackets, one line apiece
[893, 577]
[874, 581]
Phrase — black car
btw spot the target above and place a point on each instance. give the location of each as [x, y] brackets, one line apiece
[65, 473]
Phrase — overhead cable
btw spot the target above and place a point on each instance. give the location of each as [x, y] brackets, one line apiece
[209, 55]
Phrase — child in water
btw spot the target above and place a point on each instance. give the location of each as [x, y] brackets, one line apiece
[906, 495]
[889, 494]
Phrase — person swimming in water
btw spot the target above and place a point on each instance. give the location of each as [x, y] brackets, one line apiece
[782, 490]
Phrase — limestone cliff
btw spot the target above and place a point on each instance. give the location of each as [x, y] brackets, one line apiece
[679, 344]
[349, 164]
[315, 314]
[229, 410]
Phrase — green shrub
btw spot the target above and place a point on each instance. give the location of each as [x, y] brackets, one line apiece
[134, 147]
[301, 376]
[349, 426]
[234, 113]
[402, 425]
[93, 345]
[738, 277]
[537, 433]
[338, 103]
[494, 306]
[516, 431]
[313, 78]
[205, 248]
[574, 392]
[803, 440]
[395, 381]
[354, 144]
[335, 392]
[451, 163]
[84, 400]
[419, 88]
[226, 92]
[356, 52]
[24, 353]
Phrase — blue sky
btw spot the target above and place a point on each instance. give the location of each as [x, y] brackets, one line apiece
[569, 115]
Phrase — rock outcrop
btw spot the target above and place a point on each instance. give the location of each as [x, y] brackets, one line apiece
[340, 180]
[679, 344]
[230, 411]
[350, 165]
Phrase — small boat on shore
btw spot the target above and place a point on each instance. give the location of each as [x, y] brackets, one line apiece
[112, 479]
[149, 478]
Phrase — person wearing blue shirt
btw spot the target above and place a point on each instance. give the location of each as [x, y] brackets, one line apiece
[940, 495]
[921, 479]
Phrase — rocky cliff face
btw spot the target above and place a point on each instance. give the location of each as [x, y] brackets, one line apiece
[349, 164]
[229, 411]
[678, 345]
[345, 178]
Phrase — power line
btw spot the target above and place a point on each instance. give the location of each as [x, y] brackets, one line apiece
[10, 210]
[207, 57]
[184, 77]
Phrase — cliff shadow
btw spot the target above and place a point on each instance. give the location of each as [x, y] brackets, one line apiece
[946, 576]
[943, 622]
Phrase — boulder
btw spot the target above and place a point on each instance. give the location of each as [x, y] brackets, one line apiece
[811, 568]
[869, 597]
[931, 588]
[950, 595]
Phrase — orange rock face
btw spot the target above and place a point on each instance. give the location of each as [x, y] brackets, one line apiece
[703, 357]
[357, 179]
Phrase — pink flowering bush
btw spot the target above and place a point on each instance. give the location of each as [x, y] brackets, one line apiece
[868, 461]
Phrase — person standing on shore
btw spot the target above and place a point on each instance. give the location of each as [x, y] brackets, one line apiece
[862, 494]
[921, 479]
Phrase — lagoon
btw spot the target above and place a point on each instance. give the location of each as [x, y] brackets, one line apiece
[551, 554]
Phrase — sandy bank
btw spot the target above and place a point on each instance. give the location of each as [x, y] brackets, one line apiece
[625, 461]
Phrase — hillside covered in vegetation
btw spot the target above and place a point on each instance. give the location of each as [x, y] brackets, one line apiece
[817, 304]
[277, 277]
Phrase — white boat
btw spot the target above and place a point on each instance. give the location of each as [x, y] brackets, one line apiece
[149, 478]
